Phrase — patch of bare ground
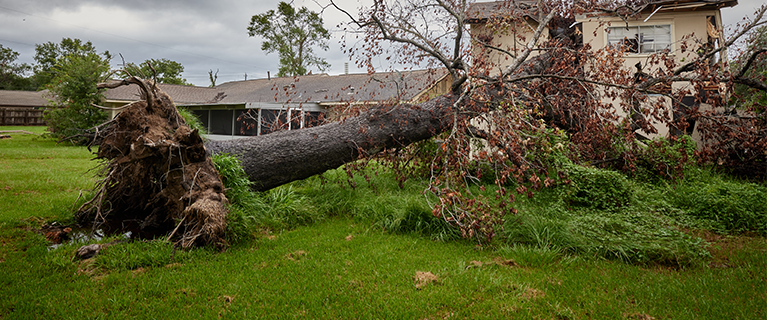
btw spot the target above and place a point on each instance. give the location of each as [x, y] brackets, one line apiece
[424, 278]
[532, 294]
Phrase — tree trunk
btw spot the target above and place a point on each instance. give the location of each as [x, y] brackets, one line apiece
[278, 158]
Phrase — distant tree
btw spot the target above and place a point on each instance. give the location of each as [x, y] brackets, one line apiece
[12, 74]
[73, 93]
[213, 77]
[164, 70]
[292, 34]
[49, 55]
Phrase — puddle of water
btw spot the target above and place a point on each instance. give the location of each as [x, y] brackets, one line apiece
[83, 236]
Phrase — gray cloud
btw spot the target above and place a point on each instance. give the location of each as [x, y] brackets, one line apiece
[201, 35]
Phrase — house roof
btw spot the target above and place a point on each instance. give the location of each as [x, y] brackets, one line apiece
[323, 88]
[10, 98]
[179, 93]
[686, 5]
[666, 6]
[320, 88]
[480, 12]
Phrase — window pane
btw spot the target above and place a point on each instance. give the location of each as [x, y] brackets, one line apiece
[246, 123]
[273, 120]
[221, 121]
[627, 37]
[655, 38]
[295, 119]
[313, 119]
[203, 116]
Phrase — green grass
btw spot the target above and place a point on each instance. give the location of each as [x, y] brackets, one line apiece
[39, 177]
[360, 260]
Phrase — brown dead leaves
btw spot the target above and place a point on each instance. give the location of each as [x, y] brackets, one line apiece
[422, 279]
[500, 261]
[295, 256]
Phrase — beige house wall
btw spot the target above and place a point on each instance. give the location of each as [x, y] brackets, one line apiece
[513, 38]
[683, 24]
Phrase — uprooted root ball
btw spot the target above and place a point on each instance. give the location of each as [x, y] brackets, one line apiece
[157, 178]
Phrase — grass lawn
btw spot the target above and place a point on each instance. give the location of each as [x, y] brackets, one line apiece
[343, 267]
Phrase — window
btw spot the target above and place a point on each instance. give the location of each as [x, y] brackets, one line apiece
[221, 121]
[203, 116]
[641, 39]
[273, 120]
[313, 119]
[246, 123]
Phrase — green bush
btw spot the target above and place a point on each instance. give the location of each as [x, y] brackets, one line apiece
[277, 209]
[595, 188]
[733, 206]
[666, 158]
[74, 92]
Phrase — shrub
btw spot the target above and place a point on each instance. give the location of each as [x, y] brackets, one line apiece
[595, 188]
[74, 92]
[666, 158]
[733, 206]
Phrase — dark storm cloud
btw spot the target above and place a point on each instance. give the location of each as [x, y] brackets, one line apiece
[201, 35]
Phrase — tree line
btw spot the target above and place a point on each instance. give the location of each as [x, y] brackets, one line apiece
[53, 59]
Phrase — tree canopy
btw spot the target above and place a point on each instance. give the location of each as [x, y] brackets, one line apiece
[13, 74]
[164, 70]
[49, 55]
[73, 92]
[293, 34]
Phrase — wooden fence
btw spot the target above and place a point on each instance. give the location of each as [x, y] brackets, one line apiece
[21, 117]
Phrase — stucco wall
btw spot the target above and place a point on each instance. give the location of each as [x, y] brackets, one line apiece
[683, 25]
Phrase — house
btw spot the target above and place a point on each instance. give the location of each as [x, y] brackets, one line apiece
[261, 106]
[681, 28]
[501, 29]
[22, 108]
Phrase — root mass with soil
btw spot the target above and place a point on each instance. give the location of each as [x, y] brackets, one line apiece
[156, 176]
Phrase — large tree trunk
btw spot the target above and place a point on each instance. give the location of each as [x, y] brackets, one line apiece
[278, 158]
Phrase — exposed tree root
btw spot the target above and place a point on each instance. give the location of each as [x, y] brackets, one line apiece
[157, 179]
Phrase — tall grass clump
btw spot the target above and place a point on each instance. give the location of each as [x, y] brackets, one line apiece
[376, 197]
[597, 214]
[277, 209]
[192, 121]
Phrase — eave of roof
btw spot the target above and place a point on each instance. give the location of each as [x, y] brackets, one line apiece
[481, 12]
[672, 6]
[23, 98]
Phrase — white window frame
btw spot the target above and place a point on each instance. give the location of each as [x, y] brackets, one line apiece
[644, 35]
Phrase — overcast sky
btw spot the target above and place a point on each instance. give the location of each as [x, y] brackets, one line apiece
[201, 35]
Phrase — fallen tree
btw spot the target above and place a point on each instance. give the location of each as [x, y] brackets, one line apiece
[278, 158]
[159, 177]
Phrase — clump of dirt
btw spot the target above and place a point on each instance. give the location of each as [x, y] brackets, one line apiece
[156, 178]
